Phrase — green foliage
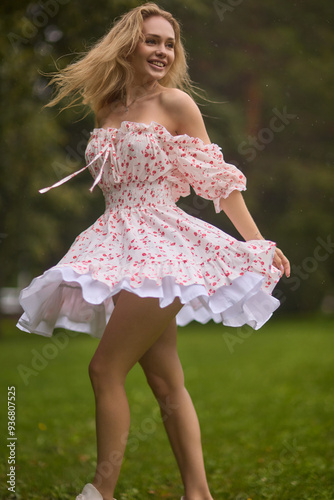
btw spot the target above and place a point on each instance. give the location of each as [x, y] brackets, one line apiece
[259, 60]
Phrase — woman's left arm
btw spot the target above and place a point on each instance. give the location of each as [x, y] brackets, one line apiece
[235, 208]
[189, 120]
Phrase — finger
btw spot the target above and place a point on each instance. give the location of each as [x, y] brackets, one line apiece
[278, 263]
[284, 264]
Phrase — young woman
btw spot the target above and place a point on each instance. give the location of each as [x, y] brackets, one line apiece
[145, 266]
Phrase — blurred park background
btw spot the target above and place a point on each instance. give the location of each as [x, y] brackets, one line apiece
[269, 403]
[270, 66]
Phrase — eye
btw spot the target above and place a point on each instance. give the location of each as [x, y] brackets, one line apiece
[150, 40]
[170, 45]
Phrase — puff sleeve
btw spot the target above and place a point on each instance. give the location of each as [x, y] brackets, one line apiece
[203, 167]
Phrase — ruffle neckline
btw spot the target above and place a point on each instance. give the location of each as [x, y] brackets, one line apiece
[127, 126]
[155, 127]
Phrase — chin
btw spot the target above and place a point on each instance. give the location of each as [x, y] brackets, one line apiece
[156, 77]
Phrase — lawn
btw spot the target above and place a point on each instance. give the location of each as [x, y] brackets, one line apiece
[265, 401]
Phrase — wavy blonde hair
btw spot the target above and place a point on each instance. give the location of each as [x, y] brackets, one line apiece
[104, 73]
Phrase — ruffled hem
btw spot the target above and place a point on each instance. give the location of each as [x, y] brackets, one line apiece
[63, 298]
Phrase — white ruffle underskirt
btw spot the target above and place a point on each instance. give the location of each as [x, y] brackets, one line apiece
[63, 298]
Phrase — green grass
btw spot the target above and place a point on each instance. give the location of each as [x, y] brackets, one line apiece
[265, 404]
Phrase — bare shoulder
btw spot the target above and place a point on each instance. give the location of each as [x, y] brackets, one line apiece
[185, 113]
[172, 98]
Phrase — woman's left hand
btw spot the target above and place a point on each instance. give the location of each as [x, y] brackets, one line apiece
[281, 262]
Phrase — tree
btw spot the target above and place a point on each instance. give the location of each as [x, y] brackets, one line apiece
[268, 66]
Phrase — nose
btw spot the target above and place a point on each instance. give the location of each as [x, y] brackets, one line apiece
[161, 50]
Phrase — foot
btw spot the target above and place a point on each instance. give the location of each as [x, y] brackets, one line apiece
[90, 493]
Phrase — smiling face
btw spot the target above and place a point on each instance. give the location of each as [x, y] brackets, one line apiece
[154, 55]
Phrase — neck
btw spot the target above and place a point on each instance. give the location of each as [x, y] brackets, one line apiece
[136, 91]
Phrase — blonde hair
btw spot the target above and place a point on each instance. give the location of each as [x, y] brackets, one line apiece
[104, 73]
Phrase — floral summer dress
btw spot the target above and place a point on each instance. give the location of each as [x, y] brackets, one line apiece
[146, 244]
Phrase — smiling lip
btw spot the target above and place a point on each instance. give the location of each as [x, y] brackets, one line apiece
[161, 65]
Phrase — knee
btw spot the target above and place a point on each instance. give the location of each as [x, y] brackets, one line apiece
[95, 372]
[163, 387]
[102, 375]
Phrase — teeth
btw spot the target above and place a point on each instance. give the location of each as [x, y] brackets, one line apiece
[156, 63]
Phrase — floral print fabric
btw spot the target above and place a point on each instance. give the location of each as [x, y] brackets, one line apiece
[146, 244]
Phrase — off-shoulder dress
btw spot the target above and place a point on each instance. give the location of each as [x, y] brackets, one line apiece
[146, 244]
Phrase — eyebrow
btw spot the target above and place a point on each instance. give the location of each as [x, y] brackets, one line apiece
[158, 36]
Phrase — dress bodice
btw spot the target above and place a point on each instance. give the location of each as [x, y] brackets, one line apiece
[146, 153]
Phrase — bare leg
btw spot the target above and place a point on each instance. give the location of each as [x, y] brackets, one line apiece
[134, 326]
[164, 373]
